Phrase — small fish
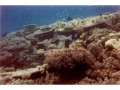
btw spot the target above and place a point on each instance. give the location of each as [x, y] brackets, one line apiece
[69, 18]
[63, 37]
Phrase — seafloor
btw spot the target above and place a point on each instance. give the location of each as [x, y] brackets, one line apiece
[81, 51]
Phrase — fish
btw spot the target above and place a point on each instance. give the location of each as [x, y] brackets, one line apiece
[69, 18]
[63, 37]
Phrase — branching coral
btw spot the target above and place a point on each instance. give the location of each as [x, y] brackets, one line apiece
[68, 58]
[69, 63]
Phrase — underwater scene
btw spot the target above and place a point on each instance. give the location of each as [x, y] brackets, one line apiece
[63, 45]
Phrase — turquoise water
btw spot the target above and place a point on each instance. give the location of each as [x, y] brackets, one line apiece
[15, 17]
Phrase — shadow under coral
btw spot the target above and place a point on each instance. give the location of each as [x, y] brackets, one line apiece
[71, 76]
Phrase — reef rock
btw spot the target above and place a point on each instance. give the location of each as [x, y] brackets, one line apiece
[114, 43]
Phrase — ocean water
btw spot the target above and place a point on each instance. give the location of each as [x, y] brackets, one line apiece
[13, 18]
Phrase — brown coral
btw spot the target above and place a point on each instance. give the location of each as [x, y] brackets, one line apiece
[69, 63]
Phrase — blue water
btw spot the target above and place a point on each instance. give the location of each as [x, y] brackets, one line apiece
[15, 17]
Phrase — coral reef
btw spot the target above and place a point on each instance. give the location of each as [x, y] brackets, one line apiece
[69, 63]
[80, 51]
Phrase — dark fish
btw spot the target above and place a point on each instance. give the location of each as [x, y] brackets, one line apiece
[69, 18]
